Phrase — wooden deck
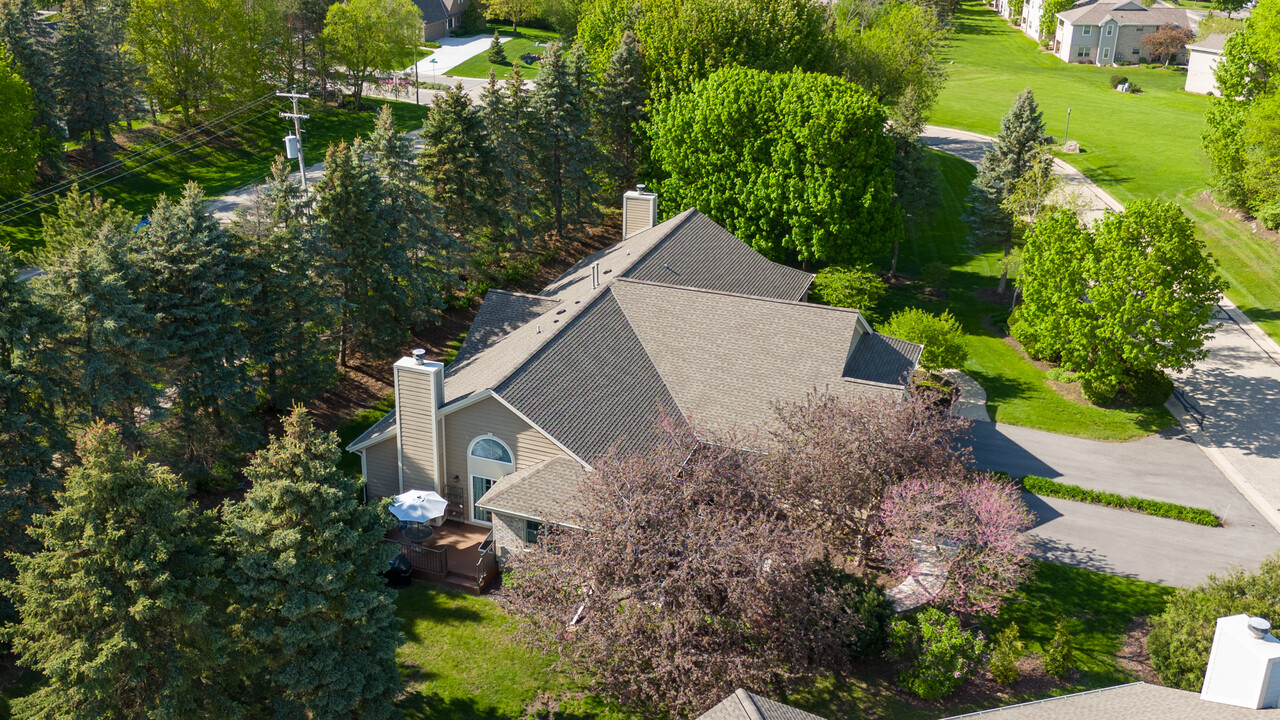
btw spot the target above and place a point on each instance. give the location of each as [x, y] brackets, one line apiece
[460, 544]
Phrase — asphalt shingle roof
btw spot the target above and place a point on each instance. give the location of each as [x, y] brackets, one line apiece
[742, 705]
[1125, 13]
[1214, 43]
[548, 491]
[593, 388]
[882, 359]
[500, 314]
[1135, 701]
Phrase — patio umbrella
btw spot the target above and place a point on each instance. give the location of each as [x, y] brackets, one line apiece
[418, 506]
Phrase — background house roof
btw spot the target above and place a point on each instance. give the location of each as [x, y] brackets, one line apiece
[742, 705]
[1135, 701]
[1125, 13]
[1212, 44]
[434, 11]
[548, 490]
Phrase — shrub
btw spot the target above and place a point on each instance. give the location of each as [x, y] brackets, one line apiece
[1118, 80]
[1135, 88]
[934, 274]
[863, 598]
[530, 58]
[1057, 654]
[940, 334]
[1158, 508]
[1006, 650]
[1061, 375]
[496, 56]
[1148, 387]
[939, 655]
[1182, 635]
[472, 20]
[432, 44]
[849, 287]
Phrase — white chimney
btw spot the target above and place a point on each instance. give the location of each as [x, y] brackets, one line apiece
[1244, 664]
[419, 395]
[639, 211]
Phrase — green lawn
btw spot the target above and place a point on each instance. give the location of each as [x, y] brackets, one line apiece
[1135, 146]
[243, 155]
[524, 42]
[463, 657]
[1016, 389]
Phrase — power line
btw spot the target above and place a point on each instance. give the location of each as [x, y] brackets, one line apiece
[65, 184]
[13, 218]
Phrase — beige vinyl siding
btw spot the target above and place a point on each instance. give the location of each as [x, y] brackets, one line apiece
[382, 472]
[529, 446]
[417, 440]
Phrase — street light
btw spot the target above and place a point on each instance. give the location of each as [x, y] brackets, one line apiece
[433, 71]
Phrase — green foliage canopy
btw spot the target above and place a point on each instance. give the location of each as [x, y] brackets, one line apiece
[796, 164]
[941, 335]
[18, 136]
[370, 35]
[851, 287]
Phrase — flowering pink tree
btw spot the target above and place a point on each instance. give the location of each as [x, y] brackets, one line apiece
[969, 529]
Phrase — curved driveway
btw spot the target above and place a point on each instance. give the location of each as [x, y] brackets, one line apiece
[1235, 471]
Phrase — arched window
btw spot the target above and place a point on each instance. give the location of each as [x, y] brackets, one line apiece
[490, 448]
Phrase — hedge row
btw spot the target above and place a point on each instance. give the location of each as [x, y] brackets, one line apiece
[1159, 508]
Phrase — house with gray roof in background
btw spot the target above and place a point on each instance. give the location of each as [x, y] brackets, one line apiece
[679, 319]
[1110, 33]
[440, 17]
[1202, 61]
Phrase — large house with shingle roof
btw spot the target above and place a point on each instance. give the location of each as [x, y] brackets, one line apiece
[1110, 33]
[679, 319]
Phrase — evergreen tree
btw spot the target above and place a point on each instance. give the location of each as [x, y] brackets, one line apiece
[410, 216]
[620, 111]
[563, 146]
[315, 621]
[915, 172]
[106, 356]
[29, 435]
[115, 606]
[507, 118]
[370, 268]
[82, 79]
[290, 316]
[79, 218]
[28, 41]
[496, 55]
[1018, 146]
[460, 168]
[196, 284]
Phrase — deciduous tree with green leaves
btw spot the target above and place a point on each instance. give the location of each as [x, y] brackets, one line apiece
[18, 136]
[315, 624]
[859, 288]
[941, 335]
[796, 164]
[1131, 296]
[517, 11]
[368, 36]
[187, 49]
[117, 605]
[27, 42]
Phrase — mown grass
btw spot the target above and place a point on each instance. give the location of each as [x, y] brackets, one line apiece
[524, 42]
[1017, 391]
[242, 155]
[1135, 146]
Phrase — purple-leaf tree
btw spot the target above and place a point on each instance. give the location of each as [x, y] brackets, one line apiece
[966, 529]
[685, 578]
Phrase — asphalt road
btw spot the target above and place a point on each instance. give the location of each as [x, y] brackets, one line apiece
[1162, 467]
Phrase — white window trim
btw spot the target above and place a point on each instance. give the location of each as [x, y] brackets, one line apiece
[1111, 30]
[490, 436]
[492, 470]
[1088, 30]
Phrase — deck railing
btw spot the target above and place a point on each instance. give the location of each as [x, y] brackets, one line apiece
[487, 565]
[427, 559]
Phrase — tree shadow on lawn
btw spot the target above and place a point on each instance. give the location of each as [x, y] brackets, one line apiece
[421, 601]
[433, 706]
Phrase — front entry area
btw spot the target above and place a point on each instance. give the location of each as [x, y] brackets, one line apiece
[480, 486]
[488, 461]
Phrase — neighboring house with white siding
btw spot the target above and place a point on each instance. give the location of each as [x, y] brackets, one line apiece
[680, 319]
[1110, 33]
[1202, 61]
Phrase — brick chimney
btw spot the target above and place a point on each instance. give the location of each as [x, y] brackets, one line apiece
[639, 211]
[419, 395]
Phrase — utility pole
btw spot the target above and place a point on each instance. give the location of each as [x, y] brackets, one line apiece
[293, 143]
[417, 99]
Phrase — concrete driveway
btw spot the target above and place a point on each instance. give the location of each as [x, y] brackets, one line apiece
[452, 52]
[1162, 467]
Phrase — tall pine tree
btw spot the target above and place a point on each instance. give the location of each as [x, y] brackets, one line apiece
[290, 315]
[29, 41]
[106, 365]
[620, 112]
[1018, 146]
[563, 146]
[115, 606]
[79, 217]
[315, 622]
[507, 117]
[460, 168]
[369, 266]
[85, 88]
[29, 433]
[196, 284]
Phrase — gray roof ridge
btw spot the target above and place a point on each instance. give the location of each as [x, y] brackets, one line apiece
[1051, 699]
[531, 296]
[744, 296]
[682, 218]
[748, 704]
[574, 311]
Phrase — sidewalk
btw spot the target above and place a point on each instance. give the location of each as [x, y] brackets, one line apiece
[1233, 394]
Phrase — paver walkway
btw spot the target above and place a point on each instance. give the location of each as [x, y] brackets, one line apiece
[1237, 387]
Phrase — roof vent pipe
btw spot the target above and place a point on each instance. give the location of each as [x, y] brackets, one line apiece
[595, 275]
[1259, 627]
[418, 356]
